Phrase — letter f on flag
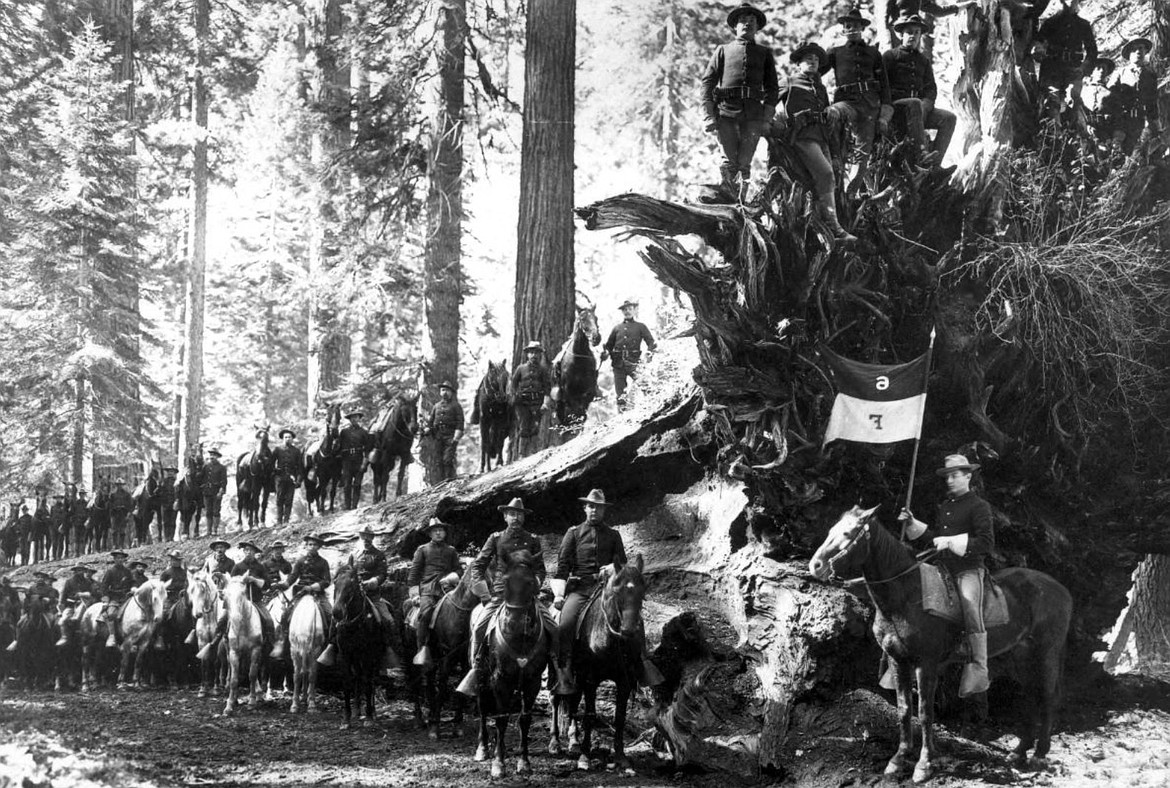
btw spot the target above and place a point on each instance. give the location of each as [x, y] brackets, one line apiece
[876, 403]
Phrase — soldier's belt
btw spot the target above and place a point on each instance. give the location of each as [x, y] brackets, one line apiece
[1066, 57]
[906, 93]
[349, 452]
[859, 88]
[741, 92]
[810, 117]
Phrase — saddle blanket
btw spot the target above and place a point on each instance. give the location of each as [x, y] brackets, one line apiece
[940, 597]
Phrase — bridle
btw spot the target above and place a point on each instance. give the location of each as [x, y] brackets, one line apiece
[855, 539]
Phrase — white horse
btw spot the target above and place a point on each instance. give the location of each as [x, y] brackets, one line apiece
[245, 638]
[205, 607]
[306, 640]
[140, 618]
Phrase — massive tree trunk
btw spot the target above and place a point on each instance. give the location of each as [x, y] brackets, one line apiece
[192, 397]
[545, 274]
[1151, 612]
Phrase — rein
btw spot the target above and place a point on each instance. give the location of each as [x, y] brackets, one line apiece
[854, 540]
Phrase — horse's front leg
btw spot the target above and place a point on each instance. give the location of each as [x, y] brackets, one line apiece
[401, 478]
[501, 748]
[481, 747]
[347, 697]
[124, 671]
[620, 761]
[585, 723]
[927, 683]
[904, 675]
[254, 677]
[368, 688]
[311, 686]
[527, 696]
[233, 682]
[554, 740]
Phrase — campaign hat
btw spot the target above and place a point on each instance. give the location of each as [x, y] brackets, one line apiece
[286, 431]
[804, 48]
[853, 15]
[1141, 43]
[595, 496]
[515, 505]
[956, 462]
[244, 543]
[217, 542]
[433, 523]
[914, 20]
[746, 8]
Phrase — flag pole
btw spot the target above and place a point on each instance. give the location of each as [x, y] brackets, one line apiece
[918, 437]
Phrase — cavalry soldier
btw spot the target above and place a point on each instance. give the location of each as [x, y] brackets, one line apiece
[624, 348]
[217, 561]
[369, 566]
[739, 95]
[435, 563]
[445, 425]
[78, 516]
[58, 522]
[862, 95]
[965, 537]
[927, 9]
[802, 117]
[8, 594]
[120, 505]
[1064, 43]
[115, 588]
[24, 529]
[493, 561]
[42, 588]
[310, 574]
[174, 579]
[256, 578]
[355, 442]
[276, 563]
[913, 91]
[138, 574]
[1139, 78]
[164, 502]
[77, 592]
[213, 487]
[529, 392]
[289, 464]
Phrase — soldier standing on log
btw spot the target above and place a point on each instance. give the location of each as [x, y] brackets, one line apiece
[624, 349]
[739, 95]
[24, 529]
[445, 424]
[121, 503]
[214, 486]
[913, 92]
[289, 463]
[529, 393]
[355, 442]
[1064, 43]
[165, 504]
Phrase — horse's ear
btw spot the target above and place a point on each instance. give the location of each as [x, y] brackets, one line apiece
[638, 562]
[865, 514]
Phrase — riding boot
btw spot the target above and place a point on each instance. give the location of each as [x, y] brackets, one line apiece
[220, 631]
[650, 676]
[278, 649]
[112, 640]
[328, 656]
[191, 638]
[470, 684]
[829, 217]
[975, 678]
[423, 657]
[390, 660]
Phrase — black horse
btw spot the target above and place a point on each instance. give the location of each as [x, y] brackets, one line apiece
[448, 642]
[145, 498]
[323, 464]
[255, 481]
[360, 643]
[916, 642]
[492, 414]
[574, 372]
[393, 433]
[99, 518]
[189, 495]
[34, 657]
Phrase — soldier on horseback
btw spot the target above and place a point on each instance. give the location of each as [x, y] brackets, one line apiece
[530, 390]
[42, 589]
[289, 463]
[138, 574]
[445, 425]
[624, 348]
[355, 442]
[310, 574]
[115, 586]
[965, 536]
[276, 563]
[493, 561]
[435, 563]
[213, 487]
[174, 578]
[369, 565]
[78, 590]
[217, 562]
[255, 574]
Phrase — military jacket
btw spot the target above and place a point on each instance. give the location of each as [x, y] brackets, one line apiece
[214, 478]
[253, 568]
[79, 514]
[806, 100]
[432, 562]
[740, 78]
[217, 563]
[968, 514]
[446, 418]
[497, 552]
[310, 569]
[137, 578]
[910, 74]
[166, 494]
[40, 589]
[586, 548]
[121, 501]
[355, 439]
[1142, 87]
[1068, 37]
[625, 342]
[531, 382]
[289, 461]
[177, 576]
[276, 567]
[24, 524]
[75, 586]
[856, 63]
[116, 582]
[369, 564]
[58, 515]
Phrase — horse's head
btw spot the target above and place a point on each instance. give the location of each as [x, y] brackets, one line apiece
[625, 591]
[348, 596]
[520, 582]
[496, 379]
[202, 593]
[152, 597]
[407, 403]
[234, 592]
[586, 323]
[845, 548]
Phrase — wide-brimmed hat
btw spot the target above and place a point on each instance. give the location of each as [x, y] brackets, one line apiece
[1108, 65]
[804, 48]
[956, 462]
[139, 563]
[214, 453]
[534, 345]
[355, 414]
[746, 8]
[446, 384]
[628, 302]
[43, 575]
[314, 539]
[175, 554]
[367, 530]
[914, 20]
[515, 505]
[117, 553]
[435, 522]
[246, 545]
[90, 569]
[170, 469]
[853, 15]
[217, 542]
[595, 496]
[286, 431]
[278, 543]
[79, 568]
[1143, 44]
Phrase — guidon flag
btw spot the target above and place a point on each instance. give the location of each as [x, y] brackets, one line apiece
[876, 403]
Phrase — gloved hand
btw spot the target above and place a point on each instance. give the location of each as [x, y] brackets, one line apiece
[315, 588]
[414, 595]
[884, 115]
[371, 584]
[558, 602]
[956, 544]
[604, 355]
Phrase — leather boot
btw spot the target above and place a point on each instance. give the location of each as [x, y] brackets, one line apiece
[111, 641]
[975, 678]
[423, 657]
[829, 217]
[12, 645]
[328, 656]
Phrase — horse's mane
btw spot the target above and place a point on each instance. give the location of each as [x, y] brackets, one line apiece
[523, 558]
[886, 548]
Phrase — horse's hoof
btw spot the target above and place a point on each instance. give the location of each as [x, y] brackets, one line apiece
[621, 764]
[894, 766]
[523, 766]
[269, 697]
[313, 707]
[293, 709]
[228, 710]
[922, 772]
[555, 748]
[583, 763]
[497, 769]
[480, 754]
[201, 693]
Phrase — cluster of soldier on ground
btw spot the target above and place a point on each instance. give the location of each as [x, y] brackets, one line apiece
[892, 95]
[167, 504]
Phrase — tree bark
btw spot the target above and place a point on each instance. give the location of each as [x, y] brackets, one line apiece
[1151, 604]
[545, 274]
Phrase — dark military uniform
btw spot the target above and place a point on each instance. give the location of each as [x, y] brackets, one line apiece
[1137, 105]
[177, 577]
[58, 524]
[43, 590]
[79, 583]
[276, 567]
[585, 549]
[369, 563]
[354, 441]
[213, 488]
[24, 530]
[1069, 45]
[739, 94]
[912, 85]
[432, 562]
[115, 586]
[289, 463]
[531, 383]
[218, 564]
[624, 347]
[164, 501]
[446, 418]
[78, 517]
[41, 531]
[309, 569]
[862, 89]
[252, 567]
[493, 560]
[120, 505]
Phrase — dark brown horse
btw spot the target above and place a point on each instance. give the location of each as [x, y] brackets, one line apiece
[492, 414]
[360, 644]
[517, 653]
[255, 481]
[189, 496]
[918, 644]
[574, 374]
[607, 646]
[323, 464]
[448, 642]
[393, 433]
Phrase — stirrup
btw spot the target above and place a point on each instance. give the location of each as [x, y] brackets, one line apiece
[191, 639]
[11, 646]
[62, 641]
[208, 650]
[470, 684]
[423, 657]
[328, 656]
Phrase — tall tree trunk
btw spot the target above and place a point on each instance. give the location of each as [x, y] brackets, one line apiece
[545, 274]
[442, 289]
[1151, 603]
[192, 404]
[81, 460]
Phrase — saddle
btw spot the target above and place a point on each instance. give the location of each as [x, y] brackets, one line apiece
[940, 597]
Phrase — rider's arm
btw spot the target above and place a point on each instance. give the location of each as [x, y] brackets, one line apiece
[416, 569]
[914, 527]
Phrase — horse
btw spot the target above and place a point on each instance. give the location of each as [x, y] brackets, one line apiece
[68, 648]
[99, 519]
[36, 635]
[98, 662]
[255, 481]
[517, 652]
[10, 537]
[492, 414]
[323, 464]
[306, 641]
[189, 496]
[9, 614]
[203, 595]
[145, 499]
[177, 623]
[393, 434]
[607, 646]
[449, 639]
[360, 643]
[140, 618]
[245, 640]
[574, 374]
[277, 675]
[1034, 637]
